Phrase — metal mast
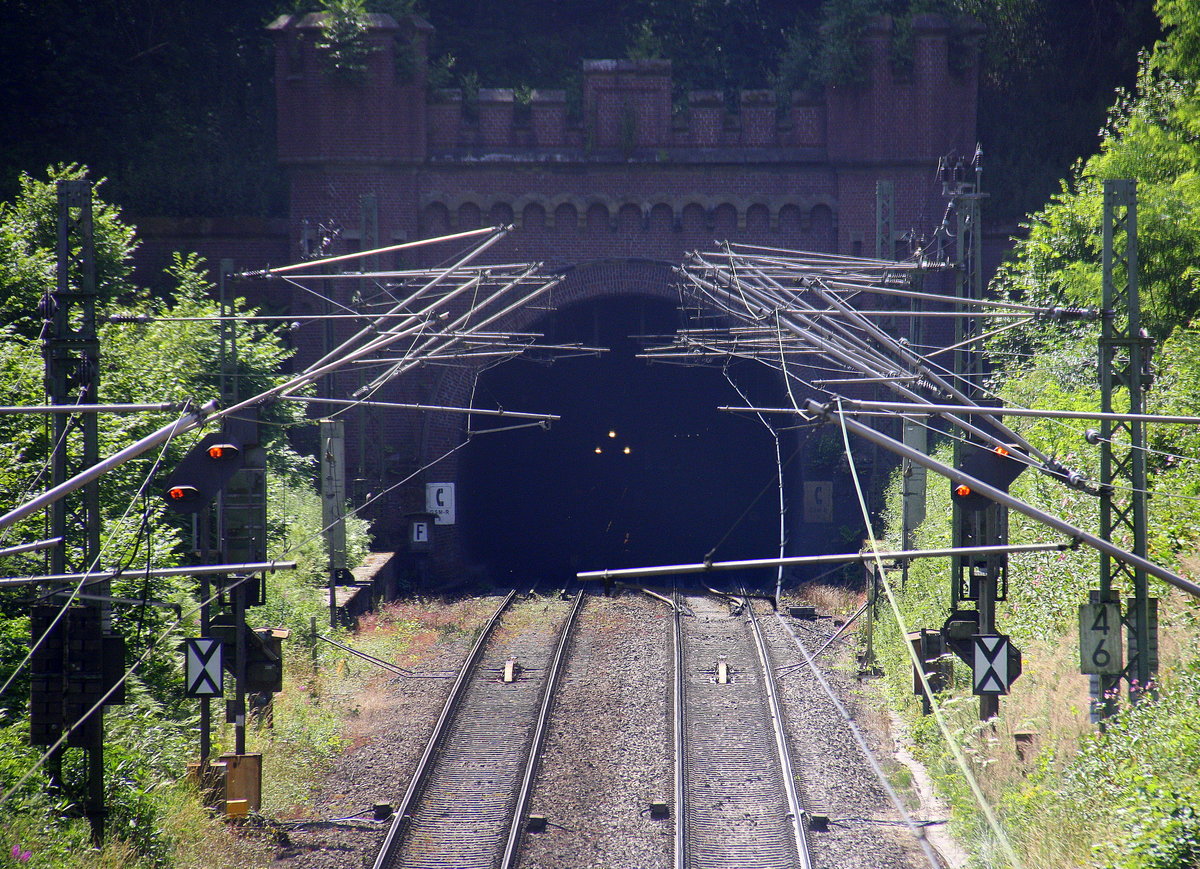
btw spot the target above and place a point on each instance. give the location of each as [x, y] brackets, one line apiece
[1124, 378]
[72, 359]
[983, 578]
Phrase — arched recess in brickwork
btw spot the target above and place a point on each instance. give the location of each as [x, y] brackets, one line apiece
[661, 218]
[533, 216]
[435, 220]
[501, 214]
[791, 232]
[469, 216]
[725, 219]
[758, 219]
[694, 218]
[821, 232]
[629, 218]
[454, 386]
[566, 217]
[597, 218]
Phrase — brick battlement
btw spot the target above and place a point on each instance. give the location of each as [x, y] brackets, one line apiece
[627, 109]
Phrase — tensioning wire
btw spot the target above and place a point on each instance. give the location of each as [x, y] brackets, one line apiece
[95, 561]
[166, 632]
[992, 821]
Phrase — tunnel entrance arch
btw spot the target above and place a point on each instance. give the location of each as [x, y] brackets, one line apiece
[572, 498]
[642, 468]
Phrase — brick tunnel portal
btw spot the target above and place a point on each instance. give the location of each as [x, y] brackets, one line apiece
[642, 469]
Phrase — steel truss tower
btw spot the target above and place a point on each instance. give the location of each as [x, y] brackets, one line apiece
[1124, 378]
[72, 359]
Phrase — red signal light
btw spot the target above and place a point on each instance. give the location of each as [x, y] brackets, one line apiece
[182, 493]
[962, 490]
[223, 451]
[1000, 451]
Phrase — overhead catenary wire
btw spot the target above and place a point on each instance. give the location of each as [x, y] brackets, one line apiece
[795, 315]
[193, 420]
[1002, 497]
[78, 588]
[407, 245]
[170, 629]
[547, 417]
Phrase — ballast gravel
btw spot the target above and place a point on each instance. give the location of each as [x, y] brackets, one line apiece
[608, 754]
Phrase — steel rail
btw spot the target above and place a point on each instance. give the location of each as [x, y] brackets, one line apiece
[796, 809]
[425, 764]
[679, 723]
[695, 730]
[513, 844]
[810, 660]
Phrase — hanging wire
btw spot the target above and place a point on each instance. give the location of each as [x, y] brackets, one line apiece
[170, 629]
[918, 666]
[78, 589]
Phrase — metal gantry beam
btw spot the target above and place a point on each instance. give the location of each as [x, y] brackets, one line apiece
[797, 560]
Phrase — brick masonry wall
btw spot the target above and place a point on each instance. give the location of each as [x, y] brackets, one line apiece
[625, 190]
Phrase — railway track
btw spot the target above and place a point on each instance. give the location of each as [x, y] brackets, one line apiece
[735, 797]
[465, 804]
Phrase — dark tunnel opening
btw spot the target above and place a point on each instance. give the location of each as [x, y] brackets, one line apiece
[641, 470]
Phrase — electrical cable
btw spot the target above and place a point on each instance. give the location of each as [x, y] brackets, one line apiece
[779, 466]
[918, 665]
[72, 421]
[36, 644]
[133, 668]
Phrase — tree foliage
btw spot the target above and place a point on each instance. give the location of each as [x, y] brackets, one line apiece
[152, 349]
[1150, 137]
[1123, 798]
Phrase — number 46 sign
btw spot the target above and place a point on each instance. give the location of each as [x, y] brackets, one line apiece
[1100, 639]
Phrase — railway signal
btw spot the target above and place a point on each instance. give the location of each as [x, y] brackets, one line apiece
[995, 664]
[204, 471]
[994, 466]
